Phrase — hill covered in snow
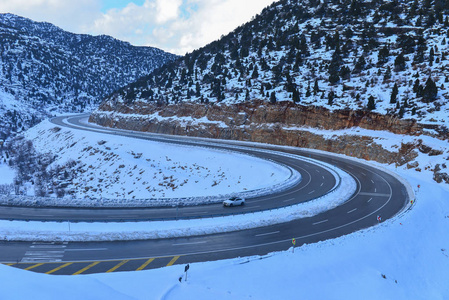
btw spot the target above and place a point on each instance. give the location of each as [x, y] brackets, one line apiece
[334, 65]
[389, 57]
[44, 70]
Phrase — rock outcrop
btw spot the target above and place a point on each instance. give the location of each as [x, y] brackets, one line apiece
[280, 124]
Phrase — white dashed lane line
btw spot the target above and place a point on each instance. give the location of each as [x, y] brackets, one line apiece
[288, 200]
[320, 222]
[251, 207]
[268, 233]
[351, 211]
[196, 213]
[192, 243]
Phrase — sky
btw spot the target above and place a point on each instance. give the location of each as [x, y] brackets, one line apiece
[176, 26]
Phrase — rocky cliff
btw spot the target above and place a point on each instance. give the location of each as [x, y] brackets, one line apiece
[280, 124]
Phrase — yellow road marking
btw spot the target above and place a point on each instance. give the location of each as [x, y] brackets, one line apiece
[117, 266]
[33, 266]
[58, 268]
[172, 261]
[86, 268]
[10, 264]
[145, 264]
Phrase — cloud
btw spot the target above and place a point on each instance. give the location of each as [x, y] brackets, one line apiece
[65, 14]
[167, 10]
[213, 19]
[178, 26]
[175, 25]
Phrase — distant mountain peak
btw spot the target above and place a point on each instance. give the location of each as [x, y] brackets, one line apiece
[45, 69]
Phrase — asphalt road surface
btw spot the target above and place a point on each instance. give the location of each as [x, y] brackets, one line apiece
[377, 193]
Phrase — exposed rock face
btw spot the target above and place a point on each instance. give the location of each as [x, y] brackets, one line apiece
[439, 175]
[280, 124]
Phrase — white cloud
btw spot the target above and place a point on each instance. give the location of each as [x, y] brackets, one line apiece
[213, 19]
[65, 14]
[167, 10]
[178, 26]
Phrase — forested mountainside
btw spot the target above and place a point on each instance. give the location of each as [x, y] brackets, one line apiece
[389, 57]
[44, 69]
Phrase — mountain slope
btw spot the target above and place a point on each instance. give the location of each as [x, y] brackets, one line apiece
[390, 57]
[44, 69]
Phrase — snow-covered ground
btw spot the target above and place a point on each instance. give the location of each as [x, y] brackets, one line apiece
[115, 167]
[6, 174]
[403, 258]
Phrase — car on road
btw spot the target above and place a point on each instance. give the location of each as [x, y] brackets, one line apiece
[234, 201]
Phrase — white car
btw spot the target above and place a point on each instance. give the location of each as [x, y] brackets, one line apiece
[234, 201]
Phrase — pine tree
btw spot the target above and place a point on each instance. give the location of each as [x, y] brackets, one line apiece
[431, 56]
[430, 91]
[308, 93]
[371, 103]
[316, 88]
[273, 97]
[345, 72]
[334, 68]
[198, 89]
[399, 63]
[383, 55]
[394, 94]
[416, 86]
[330, 98]
[296, 98]
[334, 78]
[387, 74]
[401, 112]
[255, 73]
[360, 65]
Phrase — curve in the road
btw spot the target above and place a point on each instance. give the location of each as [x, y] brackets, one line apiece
[378, 193]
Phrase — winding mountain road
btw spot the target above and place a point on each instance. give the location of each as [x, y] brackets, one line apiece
[377, 193]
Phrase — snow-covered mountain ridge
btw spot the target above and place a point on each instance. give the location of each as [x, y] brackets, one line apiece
[378, 65]
[44, 70]
[384, 56]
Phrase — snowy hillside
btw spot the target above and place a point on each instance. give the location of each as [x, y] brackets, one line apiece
[390, 57]
[58, 162]
[45, 70]
[403, 258]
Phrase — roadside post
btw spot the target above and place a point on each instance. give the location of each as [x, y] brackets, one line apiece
[186, 268]
[294, 243]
